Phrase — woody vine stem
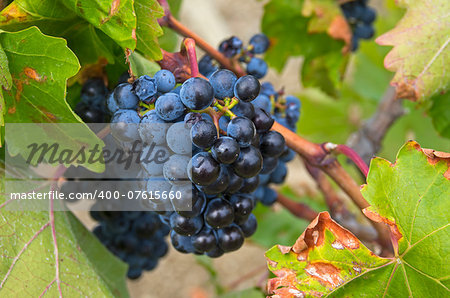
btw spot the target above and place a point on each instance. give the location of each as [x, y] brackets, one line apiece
[316, 155]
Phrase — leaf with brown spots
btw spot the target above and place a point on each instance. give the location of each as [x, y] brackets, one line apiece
[412, 197]
[39, 66]
[323, 259]
[326, 16]
[421, 53]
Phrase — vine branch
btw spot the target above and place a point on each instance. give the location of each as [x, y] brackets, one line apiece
[367, 140]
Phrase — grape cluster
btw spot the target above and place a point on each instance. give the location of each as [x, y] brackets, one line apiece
[137, 238]
[220, 141]
[361, 18]
[234, 48]
[91, 108]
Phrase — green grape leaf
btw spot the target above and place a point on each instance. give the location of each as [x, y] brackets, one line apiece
[291, 33]
[115, 18]
[53, 254]
[421, 49]
[326, 16]
[440, 114]
[6, 83]
[40, 66]
[141, 66]
[148, 29]
[53, 18]
[409, 196]
[93, 29]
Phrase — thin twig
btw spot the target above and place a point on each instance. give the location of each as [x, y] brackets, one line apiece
[171, 22]
[298, 209]
[350, 153]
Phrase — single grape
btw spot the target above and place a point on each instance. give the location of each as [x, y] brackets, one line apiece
[260, 43]
[230, 238]
[268, 89]
[216, 252]
[242, 205]
[272, 144]
[93, 90]
[169, 107]
[186, 226]
[287, 155]
[219, 213]
[197, 93]
[111, 104]
[269, 164]
[206, 66]
[364, 31]
[223, 82]
[368, 15]
[124, 125]
[203, 169]
[125, 98]
[205, 240]
[225, 150]
[175, 169]
[270, 196]
[263, 120]
[279, 174]
[181, 243]
[242, 130]
[145, 88]
[220, 185]
[257, 68]
[247, 88]
[203, 134]
[249, 227]
[178, 138]
[165, 80]
[153, 129]
[249, 162]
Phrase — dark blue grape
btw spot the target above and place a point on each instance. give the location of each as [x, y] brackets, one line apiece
[223, 82]
[249, 162]
[124, 125]
[125, 98]
[169, 107]
[203, 134]
[165, 80]
[260, 43]
[247, 88]
[145, 88]
[257, 68]
[203, 169]
[242, 130]
[197, 94]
